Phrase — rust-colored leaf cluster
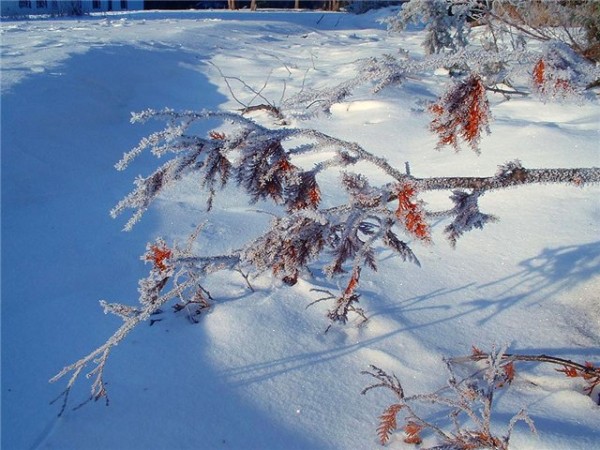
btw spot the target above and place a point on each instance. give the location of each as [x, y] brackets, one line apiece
[285, 165]
[539, 73]
[412, 431]
[268, 173]
[353, 283]
[314, 196]
[589, 373]
[509, 374]
[411, 214]
[346, 303]
[546, 83]
[288, 262]
[216, 135]
[304, 195]
[158, 254]
[462, 112]
[473, 440]
[570, 372]
[387, 423]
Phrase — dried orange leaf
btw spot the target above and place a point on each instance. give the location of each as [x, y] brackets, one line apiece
[387, 423]
[412, 430]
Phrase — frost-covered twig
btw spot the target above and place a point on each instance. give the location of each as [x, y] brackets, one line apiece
[249, 107]
[588, 372]
[468, 402]
[153, 295]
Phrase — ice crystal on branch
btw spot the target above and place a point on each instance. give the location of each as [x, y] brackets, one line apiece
[174, 275]
[345, 303]
[445, 22]
[467, 400]
[449, 24]
[289, 246]
[123, 311]
[391, 240]
[461, 113]
[384, 71]
[512, 170]
[466, 215]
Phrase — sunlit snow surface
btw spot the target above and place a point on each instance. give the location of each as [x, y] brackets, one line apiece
[258, 372]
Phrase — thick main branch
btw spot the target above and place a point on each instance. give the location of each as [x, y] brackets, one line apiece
[518, 177]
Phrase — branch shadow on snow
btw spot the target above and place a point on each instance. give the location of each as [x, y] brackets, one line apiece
[559, 268]
[547, 427]
[553, 271]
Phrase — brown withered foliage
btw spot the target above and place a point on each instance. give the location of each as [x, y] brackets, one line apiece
[546, 83]
[538, 73]
[411, 214]
[468, 400]
[412, 431]
[158, 254]
[216, 135]
[462, 113]
[388, 423]
[589, 373]
[346, 303]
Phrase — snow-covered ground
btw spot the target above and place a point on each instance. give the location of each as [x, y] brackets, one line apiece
[258, 372]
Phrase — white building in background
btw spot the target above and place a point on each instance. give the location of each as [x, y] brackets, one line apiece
[61, 7]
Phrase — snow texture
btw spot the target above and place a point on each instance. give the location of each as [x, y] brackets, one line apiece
[257, 371]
